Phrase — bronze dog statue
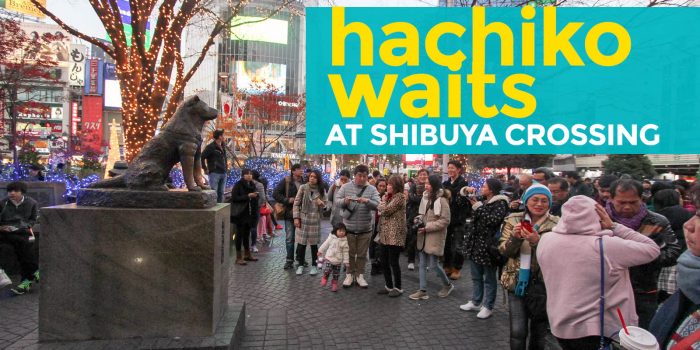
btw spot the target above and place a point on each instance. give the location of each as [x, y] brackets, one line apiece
[178, 141]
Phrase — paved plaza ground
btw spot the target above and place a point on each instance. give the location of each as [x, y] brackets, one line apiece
[286, 311]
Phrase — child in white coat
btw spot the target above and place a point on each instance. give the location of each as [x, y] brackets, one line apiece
[334, 251]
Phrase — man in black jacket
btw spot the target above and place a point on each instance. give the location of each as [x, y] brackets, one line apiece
[18, 214]
[626, 208]
[285, 192]
[460, 209]
[214, 164]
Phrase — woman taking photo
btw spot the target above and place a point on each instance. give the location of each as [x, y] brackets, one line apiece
[431, 224]
[392, 234]
[488, 218]
[307, 210]
[522, 277]
[244, 207]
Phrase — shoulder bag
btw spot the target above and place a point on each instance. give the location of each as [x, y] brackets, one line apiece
[281, 208]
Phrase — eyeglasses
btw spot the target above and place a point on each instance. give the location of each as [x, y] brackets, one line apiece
[538, 201]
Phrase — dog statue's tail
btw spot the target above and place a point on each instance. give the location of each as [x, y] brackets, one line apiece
[115, 182]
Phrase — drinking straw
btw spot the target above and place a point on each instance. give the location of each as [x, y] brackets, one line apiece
[622, 319]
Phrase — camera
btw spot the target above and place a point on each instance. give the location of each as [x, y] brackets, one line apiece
[418, 223]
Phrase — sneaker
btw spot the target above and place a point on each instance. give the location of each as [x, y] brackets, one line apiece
[470, 306]
[411, 266]
[4, 279]
[395, 292]
[419, 295]
[334, 286]
[348, 281]
[22, 288]
[384, 291]
[446, 290]
[300, 270]
[278, 227]
[361, 281]
[36, 276]
[306, 264]
[484, 313]
[255, 249]
[313, 271]
[324, 280]
[288, 265]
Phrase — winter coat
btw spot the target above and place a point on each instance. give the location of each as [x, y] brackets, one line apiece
[415, 195]
[488, 219]
[392, 221]
[214, 159]
[569, 258]
[655, 226]
[677, 216]
[361, 220]
[433, 240]
[509, 246]
[309, 213]
[239, 195]
[279, 195]
[335, 250]
[460, 208]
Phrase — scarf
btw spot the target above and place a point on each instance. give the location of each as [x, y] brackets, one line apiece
[437, 207]
[689, 276]
[525, 263]
[635, 222]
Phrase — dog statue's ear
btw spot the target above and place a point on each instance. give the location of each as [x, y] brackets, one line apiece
[192, 101]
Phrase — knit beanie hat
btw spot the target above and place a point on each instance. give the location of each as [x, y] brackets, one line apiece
[537, 189]
[579, 217]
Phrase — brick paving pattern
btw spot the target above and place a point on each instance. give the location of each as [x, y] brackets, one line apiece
[286, 311]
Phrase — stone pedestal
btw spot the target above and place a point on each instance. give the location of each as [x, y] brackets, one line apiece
[116, 273]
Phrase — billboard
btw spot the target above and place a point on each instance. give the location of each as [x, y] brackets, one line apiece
[113, 94]
[91, 134]
[259, 29]
[23, 6]
[94, 76]
[125, 11]
[57, 49]
[76, 74]
[249, 72]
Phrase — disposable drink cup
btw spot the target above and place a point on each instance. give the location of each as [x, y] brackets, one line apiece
[638, 339]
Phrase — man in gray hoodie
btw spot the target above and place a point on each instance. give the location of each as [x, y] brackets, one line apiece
[357, 200]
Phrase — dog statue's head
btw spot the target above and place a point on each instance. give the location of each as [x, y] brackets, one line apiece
[197, 107]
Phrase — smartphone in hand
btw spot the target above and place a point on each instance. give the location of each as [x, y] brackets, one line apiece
[526, 225]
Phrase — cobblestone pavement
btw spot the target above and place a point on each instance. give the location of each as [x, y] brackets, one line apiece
[286, 311]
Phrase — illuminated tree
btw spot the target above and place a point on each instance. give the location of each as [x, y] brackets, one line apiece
[145, 72]
[23, 70]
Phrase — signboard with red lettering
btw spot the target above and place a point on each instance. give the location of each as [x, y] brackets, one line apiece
[91, 132]
[74, 118]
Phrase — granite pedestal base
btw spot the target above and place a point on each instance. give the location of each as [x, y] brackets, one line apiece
[118, 273]
[229, 334]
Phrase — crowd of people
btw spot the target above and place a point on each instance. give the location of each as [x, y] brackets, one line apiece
[574, 257]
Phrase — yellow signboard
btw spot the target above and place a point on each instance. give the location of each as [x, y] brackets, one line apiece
[24, 6]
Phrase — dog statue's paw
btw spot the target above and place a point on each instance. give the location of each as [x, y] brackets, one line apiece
[205, 187]
[194, 189]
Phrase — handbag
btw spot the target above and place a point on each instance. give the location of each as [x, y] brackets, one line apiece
[281, 208]
[536, 300]
[265, 210]
[237, 208]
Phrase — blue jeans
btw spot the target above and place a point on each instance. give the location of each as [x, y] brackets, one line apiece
[217, 181]
[432, 262]
[290, 231]
[483, 276]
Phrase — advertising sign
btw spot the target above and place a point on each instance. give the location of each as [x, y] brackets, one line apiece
[91, 132]
[23, 6]
[76, 74]
[74, 118]
[58, 49]
[249, 72]
[496, 80]
[94, 76]
[269, 30]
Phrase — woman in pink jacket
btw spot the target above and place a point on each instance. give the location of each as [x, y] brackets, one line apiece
[570, 261]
